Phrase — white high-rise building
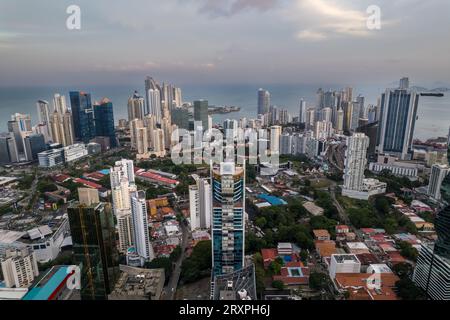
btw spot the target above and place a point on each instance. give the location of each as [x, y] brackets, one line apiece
[326, 114]
[142, 141]
[122, 168]
[136, 107]
[302, 113]
[323, 130]
[286, 144]
[44, 130]
[177, 97]
[355, 161]
[140, 227]
[61, 128]
[438, 174]
[154, 96]
[275, 136]
[19, 268]
[59, 103]
[310, 118]
[44, 114]
[134, 126]
[340, 121]
[125, 229]
[166, 127]
[200, 204]
[122, 186]
[159, 146]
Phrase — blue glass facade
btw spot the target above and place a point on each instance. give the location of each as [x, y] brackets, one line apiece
[228, 225]
[399, 112]
[83, 116]
[34, 144]
[104, 121]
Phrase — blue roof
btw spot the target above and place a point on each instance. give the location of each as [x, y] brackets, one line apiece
[272, 200]
[104, 171]
[46, 290]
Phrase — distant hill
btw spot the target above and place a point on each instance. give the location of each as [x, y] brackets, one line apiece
[437, 90]
[440, 90]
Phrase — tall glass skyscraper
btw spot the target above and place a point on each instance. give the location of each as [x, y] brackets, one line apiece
[432, 272]
[104, 121]
[228, 220]
[263, 101]
[94, 247]
[83, 116]
[397, 121]
[201, 113]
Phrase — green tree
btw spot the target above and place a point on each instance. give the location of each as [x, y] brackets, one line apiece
[254, 244]
[362, 217]
[161, 263]
[407, 290]
[390, 225]
[277, 284]
[383, 205]
[198, 264]
[408, 251]
[275, 267]
[403, 269]
[318, 281]
[105, 181]
[261, 222]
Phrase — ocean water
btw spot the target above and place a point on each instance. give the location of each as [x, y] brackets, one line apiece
[433, 114]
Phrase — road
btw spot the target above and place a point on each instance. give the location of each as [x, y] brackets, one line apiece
[343, 214]
[171, 288]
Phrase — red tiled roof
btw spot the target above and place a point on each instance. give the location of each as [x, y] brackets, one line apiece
[61, 178]
[368, 230]
[94, 176]
[88, 183]
[269, 254]
[157, 177]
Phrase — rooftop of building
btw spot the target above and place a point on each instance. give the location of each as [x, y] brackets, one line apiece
[157, 177]
[235, 282]
[138, 282]
[345, 258]
[47, 286]
[326, 248]
[359, 286]
[320, 233]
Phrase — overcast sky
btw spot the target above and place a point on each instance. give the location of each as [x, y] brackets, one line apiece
[224, 41]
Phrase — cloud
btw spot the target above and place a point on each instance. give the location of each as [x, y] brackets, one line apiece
[226, 8]
[6, 39]
[311, 35]
[329, 18]
[153, 66]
